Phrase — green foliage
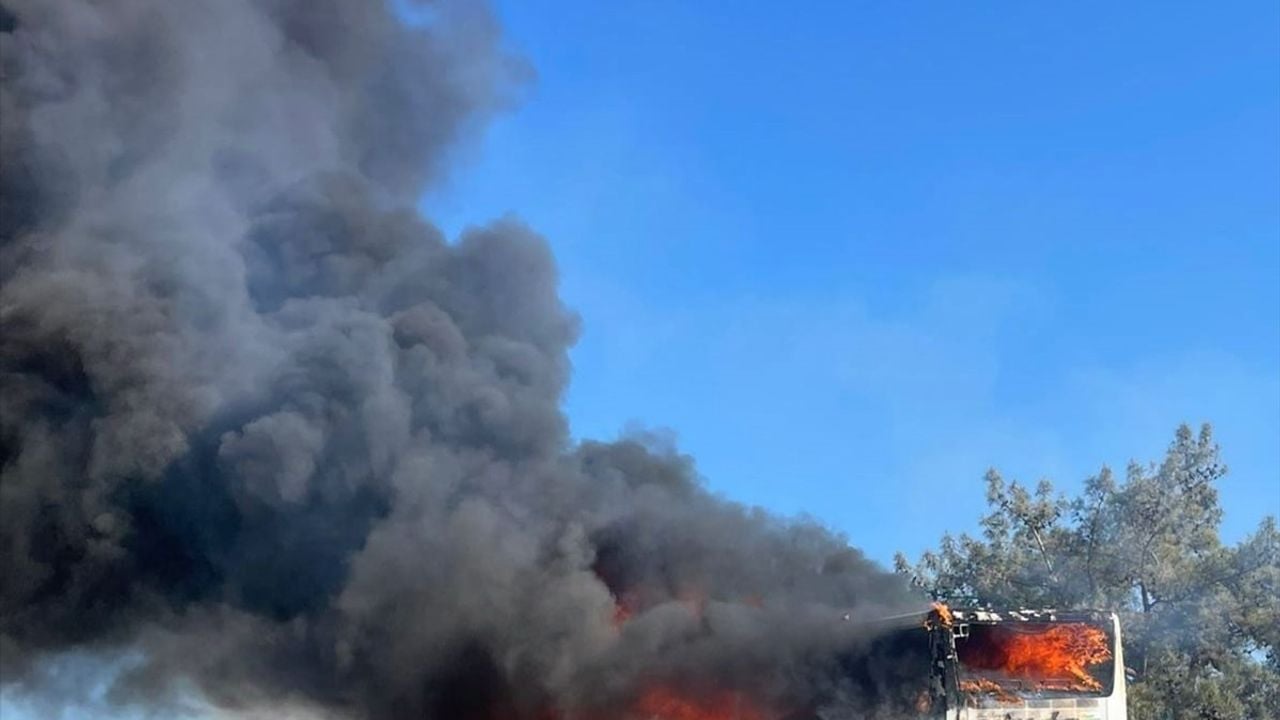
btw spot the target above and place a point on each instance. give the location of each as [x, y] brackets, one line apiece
[1201, 619]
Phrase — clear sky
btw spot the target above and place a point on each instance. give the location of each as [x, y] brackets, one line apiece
[856, 254]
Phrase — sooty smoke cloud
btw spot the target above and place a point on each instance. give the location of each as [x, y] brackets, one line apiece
[263, 427]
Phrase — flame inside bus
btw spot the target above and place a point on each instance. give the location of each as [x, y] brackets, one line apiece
[1029, 664]
[1068, 657]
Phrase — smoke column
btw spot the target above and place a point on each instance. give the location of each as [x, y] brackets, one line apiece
[262, 426]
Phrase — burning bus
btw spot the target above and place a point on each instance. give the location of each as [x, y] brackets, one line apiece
[948, 664]
[1020, 665]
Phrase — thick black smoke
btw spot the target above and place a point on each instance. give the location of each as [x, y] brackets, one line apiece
[262, 426]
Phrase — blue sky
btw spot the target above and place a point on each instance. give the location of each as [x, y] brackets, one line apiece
[855, 255]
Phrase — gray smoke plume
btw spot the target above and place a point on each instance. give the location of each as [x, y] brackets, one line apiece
[262, 426]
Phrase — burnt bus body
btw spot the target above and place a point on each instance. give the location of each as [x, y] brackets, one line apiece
[982, 664]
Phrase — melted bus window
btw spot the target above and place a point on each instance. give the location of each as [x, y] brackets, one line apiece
[1030, 658]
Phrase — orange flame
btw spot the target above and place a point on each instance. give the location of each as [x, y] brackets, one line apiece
[621, 614]
[987, 687]
[942, 614]
[664, 702]
[661, 703]
[1053, 654]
